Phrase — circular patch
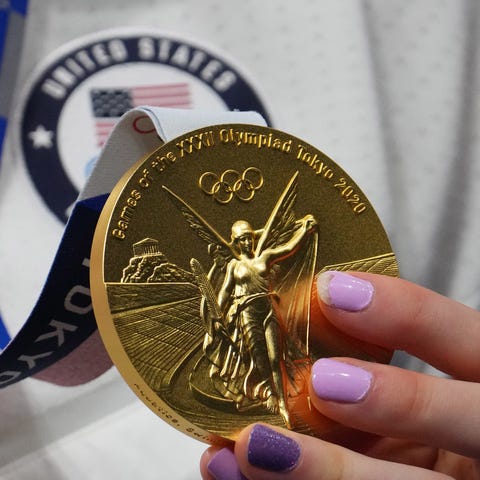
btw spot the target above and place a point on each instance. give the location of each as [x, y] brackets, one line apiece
[202, 273]
[79, 93]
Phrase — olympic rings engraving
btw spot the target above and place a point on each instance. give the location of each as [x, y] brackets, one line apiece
[231, 184]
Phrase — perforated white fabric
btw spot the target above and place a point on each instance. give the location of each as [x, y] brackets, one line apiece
[387, 89]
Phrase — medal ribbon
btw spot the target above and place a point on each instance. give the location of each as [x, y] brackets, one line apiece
[59, 341]
[12, 20]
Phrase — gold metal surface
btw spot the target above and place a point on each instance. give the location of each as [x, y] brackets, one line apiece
[202, 270]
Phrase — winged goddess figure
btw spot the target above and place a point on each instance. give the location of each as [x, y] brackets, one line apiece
[256, 303]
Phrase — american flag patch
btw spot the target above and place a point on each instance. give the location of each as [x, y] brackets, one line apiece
[109, 104]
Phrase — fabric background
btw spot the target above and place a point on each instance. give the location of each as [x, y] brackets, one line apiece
[388, 89]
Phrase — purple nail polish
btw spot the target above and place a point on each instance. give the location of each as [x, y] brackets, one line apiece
[223, 466]
[339, 381]
[271, 450]
[344, 291]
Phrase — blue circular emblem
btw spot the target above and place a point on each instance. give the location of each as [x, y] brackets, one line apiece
[76, 99]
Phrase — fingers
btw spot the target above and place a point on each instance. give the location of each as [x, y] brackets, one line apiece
[393, 402]
[205, 460]
[268, 453]
[218, 464]
[387, 401]
[397, 314]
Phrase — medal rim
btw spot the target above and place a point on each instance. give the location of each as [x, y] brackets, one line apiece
[101, 305]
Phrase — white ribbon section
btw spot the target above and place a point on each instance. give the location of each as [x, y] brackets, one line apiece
[138, 132]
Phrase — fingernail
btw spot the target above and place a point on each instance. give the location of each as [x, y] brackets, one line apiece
[344, 291]
[223, 466]
[339, 381]
[271, 450]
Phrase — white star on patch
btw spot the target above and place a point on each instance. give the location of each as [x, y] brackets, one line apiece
[41, 137]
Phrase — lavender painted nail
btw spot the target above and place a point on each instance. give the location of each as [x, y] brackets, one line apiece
[339, 381]
[344, 291]
[223, 466]
[271, 450]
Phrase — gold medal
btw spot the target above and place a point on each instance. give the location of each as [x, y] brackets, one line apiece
[202, 274]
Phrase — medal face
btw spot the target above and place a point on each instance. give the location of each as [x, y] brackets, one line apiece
[202, 274]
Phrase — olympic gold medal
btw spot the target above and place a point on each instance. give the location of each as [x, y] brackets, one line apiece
[202, 275]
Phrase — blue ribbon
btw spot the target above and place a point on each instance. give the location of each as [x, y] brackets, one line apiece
[63, 315]
[10, 41]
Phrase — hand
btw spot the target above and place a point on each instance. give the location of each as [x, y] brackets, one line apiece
[404, 425]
